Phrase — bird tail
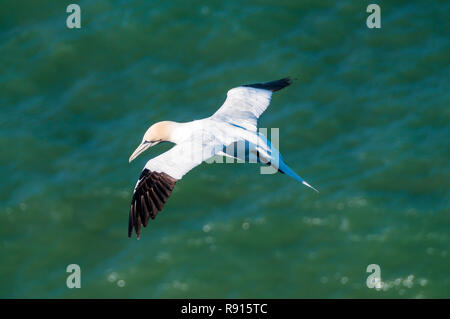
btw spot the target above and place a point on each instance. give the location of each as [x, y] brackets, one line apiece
[288, 171]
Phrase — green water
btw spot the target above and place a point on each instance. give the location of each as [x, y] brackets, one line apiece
[367, 122]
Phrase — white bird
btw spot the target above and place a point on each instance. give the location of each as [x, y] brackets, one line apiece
[233, 126]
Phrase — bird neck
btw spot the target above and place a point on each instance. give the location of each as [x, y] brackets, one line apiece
[176, 132]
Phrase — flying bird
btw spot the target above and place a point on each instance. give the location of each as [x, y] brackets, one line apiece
[233, 126]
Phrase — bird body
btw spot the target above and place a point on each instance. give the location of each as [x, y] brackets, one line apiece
[231, 131]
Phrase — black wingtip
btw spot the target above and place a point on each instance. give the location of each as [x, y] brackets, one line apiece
[130, 224]
[272, 85]
[149, 197]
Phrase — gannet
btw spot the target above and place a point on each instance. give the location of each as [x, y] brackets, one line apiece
[233, 124]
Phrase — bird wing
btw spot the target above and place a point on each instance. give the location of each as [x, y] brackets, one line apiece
[151, 193]
[160, 175]
[244, 104]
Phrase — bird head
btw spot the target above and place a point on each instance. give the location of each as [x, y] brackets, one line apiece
[156, 133]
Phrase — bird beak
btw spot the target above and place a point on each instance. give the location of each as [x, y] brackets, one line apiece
[141, 148]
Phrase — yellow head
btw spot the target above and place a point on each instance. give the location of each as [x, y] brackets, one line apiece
[158, 132]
